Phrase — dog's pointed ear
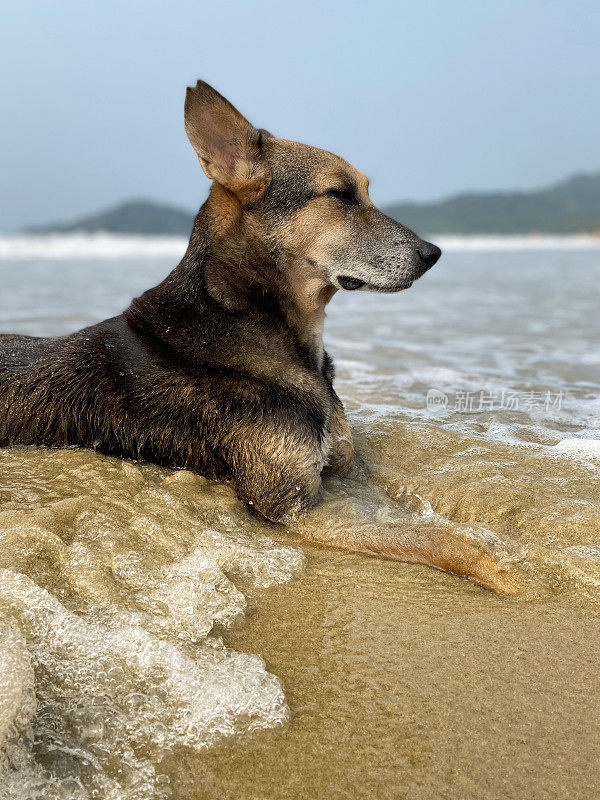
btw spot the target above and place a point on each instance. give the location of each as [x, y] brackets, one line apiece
[229, 148]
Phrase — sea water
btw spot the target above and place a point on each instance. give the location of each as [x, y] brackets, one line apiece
[156, 642]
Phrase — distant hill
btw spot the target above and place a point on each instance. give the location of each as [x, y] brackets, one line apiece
[571, 206]
[143, 217]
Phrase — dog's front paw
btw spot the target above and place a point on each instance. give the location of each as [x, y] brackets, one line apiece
[341, 458]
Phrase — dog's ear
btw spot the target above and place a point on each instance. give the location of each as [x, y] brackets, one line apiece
[229, 148]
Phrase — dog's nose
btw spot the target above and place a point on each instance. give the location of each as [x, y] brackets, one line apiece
[428, 253]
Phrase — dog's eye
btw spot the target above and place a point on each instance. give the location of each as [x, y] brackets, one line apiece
[346, 196]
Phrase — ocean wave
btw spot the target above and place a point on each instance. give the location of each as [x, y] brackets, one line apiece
[110, 245]
[90, 245]
[528, 242]
[108, 654]
[580, 449]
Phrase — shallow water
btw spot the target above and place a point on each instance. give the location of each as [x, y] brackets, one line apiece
[131, 597]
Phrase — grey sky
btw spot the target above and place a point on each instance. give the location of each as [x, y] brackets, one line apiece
[426, 98]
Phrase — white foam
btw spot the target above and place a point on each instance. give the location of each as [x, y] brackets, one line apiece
[109, 594]
[586, 450]
[17, 701]
[90, 245]
[533, 242]
[110, 245]
[105, 694]
[20, 775]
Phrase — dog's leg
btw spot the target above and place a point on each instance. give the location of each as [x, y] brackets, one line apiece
[278, 474]
[354, 515]
[341, 449]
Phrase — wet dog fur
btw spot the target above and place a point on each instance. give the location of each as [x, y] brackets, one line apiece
[220, 368]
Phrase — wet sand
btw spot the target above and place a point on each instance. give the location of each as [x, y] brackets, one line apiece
[404, 682]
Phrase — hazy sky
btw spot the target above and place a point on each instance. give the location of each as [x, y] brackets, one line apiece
[426, 98]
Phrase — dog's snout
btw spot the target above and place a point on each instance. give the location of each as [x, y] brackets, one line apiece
[428, 253]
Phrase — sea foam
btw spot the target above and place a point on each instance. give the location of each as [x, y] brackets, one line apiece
[104, 245]
[112, 580]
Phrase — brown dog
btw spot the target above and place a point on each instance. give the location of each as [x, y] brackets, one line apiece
[220, 368]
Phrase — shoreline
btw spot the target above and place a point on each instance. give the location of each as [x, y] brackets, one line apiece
[103, 245]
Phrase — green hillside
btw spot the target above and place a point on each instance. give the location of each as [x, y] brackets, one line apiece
[571, 206]
[143, 217]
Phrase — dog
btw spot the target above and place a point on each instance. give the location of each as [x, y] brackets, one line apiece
[221, 369]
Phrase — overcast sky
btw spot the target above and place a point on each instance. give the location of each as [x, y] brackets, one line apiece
[426, 98]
